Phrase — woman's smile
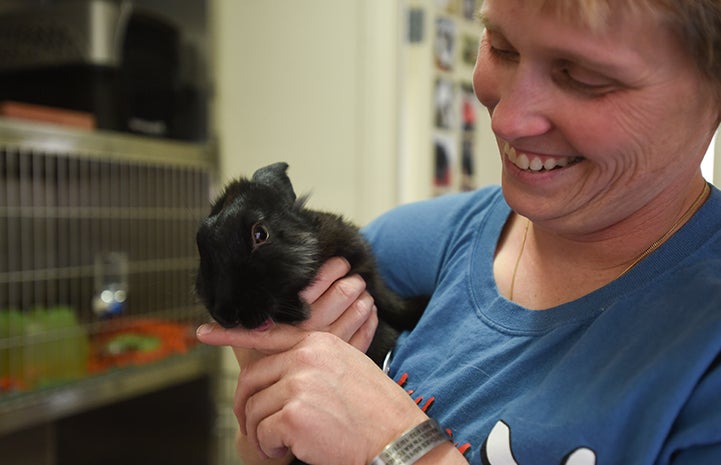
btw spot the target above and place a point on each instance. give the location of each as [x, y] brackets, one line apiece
[536, 162]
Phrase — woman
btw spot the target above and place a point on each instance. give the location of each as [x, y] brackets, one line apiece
[576, 313]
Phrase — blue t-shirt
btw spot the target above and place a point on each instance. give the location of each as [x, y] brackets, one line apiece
[628, 374]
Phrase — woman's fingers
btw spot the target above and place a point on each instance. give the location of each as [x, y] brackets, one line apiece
[262, 377]
[332, 270]
[280, 376]
[257, 402]
[342, 307]
[270, 434]
[333, 303]
[361, 339]
[277, 338]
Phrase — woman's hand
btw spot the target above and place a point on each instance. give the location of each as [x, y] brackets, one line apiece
[341, 305]
[315, 395]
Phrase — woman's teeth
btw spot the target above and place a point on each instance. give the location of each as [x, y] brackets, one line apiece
[522, 161]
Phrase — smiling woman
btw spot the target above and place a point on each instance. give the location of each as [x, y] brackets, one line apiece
[593, 101]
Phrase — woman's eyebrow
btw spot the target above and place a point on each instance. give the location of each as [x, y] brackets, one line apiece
[483, 19]
[488, 23]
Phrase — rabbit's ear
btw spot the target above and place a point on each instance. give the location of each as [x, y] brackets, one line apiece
[275, 177]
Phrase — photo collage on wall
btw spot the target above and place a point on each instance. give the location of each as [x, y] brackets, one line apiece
[455, 45]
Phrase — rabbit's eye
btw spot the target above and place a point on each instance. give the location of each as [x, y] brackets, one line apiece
[259, 234]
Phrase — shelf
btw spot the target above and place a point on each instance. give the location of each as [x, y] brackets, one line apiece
[24, 410]
[26, 135]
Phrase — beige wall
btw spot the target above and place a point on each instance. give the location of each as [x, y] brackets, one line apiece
[311, 83]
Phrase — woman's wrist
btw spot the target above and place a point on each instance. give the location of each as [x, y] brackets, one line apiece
[412, 445]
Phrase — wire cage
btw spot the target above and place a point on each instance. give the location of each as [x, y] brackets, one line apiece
[97, 259]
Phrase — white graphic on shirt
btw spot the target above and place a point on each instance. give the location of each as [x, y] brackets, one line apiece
[497, 450]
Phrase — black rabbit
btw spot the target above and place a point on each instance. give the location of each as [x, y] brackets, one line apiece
[260, 247]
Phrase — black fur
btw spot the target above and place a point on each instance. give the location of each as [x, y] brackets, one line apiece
[260, 247]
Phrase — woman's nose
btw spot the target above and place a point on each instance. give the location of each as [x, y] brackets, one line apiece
[520, 106]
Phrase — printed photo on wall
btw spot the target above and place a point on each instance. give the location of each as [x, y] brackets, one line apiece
[449, 6]
[443, 103]
[470, 9]
[469, 49]
[444, 156]
[469, 108]
[467, 168]
[445, 43]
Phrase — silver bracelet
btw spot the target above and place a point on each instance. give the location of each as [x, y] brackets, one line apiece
[412, 445]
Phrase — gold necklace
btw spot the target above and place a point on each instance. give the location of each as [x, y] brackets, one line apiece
[518, 260]
[686, 214]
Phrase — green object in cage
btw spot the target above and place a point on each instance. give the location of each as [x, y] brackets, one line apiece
[133, 343]
[41, 346]
[12, 326]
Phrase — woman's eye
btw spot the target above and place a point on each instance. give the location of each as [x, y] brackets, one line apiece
[498, 46]
[504, 54]
[259, 234]
[584, 81]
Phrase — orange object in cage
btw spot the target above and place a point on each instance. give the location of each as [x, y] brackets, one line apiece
[138, 341]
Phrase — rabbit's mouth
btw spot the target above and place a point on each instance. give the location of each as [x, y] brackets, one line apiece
[264, 326]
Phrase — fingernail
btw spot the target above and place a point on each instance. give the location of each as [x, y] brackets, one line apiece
[203, 330]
